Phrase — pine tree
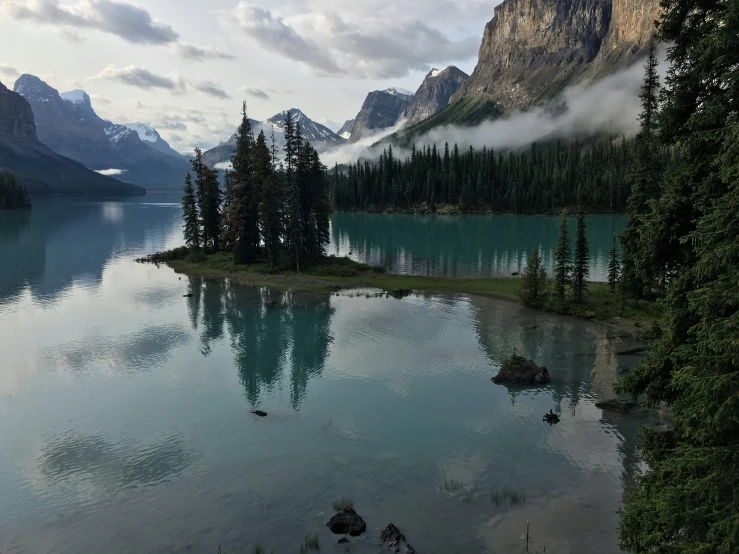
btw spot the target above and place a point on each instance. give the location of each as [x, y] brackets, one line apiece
[245, 202]
[293, 214]
[534, 291]
[562, 263]
[613, 265]
[581, 265]
[270, 198]
[637, 269]
[190, 216]
[686, 501]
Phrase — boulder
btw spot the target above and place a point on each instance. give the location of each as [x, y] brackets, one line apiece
[520, 371]
[347, 522]
[617, 405]
[344, 540]
[395, 540]
[260, 413]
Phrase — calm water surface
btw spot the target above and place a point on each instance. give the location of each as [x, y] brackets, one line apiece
[125, 417]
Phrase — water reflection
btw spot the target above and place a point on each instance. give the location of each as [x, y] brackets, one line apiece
[463, 246]
[94, 463]
[271, 332]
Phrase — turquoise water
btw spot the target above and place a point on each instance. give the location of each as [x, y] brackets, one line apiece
[125, 408]
[467, 245]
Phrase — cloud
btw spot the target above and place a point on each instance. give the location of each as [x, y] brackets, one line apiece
[276, 35]
[172, 126]
[110, 171]
[129, 22]
[211, 88]
[368, 45]
[99, 100]
[255, 92]
[9, 71]
[201, 53]
[139, 77]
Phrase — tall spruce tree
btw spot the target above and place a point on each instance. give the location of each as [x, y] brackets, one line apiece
[270, 197]
[562, 264]
[245, 202]
[614, 267]
[208, 194]
[293, 219]
[534, 290]
[190, 215]
[686, 502]
[581, 263]
[637, 267]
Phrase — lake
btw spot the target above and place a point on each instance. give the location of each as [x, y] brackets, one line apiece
[125, 408]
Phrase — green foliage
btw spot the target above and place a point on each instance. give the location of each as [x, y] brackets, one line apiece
[687, 501]
[342, 504]
[191, 230]
[614, 266]
[541, 179]
[243, 213]
[209, 199]
[13, 195]
[515, 497]
[581, 263]
[562, 264]
[534, 290]
[310, 543]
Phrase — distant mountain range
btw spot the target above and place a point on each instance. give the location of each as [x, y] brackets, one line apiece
[40, 169]
[321, 137]
[69, 126]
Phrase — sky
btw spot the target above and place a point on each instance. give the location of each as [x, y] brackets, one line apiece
[185, 66]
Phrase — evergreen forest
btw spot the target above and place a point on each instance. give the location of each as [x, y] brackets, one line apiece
[13, 194]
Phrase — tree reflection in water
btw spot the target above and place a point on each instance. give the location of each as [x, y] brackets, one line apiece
[271, 332]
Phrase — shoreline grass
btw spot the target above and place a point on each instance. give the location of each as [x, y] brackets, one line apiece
[334, 273]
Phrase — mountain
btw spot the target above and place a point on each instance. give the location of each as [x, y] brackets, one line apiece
[381, 109]
[40, 169]
[346, 130]
[68, 125]
[321, 137]
[532, 49]
[434, 94]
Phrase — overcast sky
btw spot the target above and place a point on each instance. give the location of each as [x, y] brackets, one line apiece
[184, 66]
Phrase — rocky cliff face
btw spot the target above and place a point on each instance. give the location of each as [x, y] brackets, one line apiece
[532, 49]
[381, 109]
[16, 116]
[434, 94]
[64, 127]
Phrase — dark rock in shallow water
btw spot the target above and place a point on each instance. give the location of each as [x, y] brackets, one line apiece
[634, 351]
[187, 295]
[395, 540]
[347, 522]
[515, 274]
[551, 418]
[344, 540]
[617, 405]
[520, 371]
[260, 413]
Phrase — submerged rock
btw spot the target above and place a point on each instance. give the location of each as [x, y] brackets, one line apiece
[187, 295]
[551, 418]
[617, 405]
[347, 522]
[395, 540]
[344, 540]
[260, 413]
[520, 371]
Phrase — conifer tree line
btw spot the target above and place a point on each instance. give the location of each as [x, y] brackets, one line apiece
[13, 195]
[594, 177]
[682, 246]
[269, 209]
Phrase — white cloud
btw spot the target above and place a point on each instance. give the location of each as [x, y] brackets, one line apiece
[140, 77]
[110, 171]
[8, 70]
[201, 53]
[129, 22]
[374, 46]
[255, 92]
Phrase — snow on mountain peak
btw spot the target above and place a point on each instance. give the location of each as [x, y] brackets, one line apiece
[75, 96]
[395, 91]
[435, 72]
[144, 132]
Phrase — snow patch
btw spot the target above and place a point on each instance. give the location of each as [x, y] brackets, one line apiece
[144, 132]
[399, 92]
[436, 72]
[345, 135]
[75, 96]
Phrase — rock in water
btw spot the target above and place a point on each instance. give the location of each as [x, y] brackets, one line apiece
[617, 405]
[347, 522]
[344, 540]
[395, 540]
[520, 371]
[260, 413]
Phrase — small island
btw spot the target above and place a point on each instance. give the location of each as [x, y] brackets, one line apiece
[13, 195]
